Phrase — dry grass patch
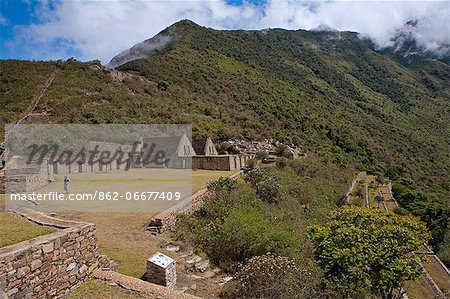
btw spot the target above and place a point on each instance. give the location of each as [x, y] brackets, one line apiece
[122, 237]
[440, 277]
[200, 178]
[419, 289]
[95, 289]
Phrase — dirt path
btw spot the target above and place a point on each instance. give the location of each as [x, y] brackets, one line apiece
[30, 111]
[37, 99]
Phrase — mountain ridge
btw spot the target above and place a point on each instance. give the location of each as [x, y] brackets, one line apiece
[404, 47]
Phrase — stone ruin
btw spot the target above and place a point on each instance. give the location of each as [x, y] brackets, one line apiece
[22, 177]
[162, 270]
[267, 145]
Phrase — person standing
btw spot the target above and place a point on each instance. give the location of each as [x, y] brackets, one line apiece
[66, 184]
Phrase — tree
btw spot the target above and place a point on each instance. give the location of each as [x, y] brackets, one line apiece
[362, 250]
[379, 199]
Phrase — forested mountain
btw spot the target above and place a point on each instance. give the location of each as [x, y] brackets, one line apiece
[327, 91]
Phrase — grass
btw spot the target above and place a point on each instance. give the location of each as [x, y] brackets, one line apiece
[440, 277]
[419, 289]
[121, 184]
[122, 236]
[372, 202]
[200, 178]
[94, 289]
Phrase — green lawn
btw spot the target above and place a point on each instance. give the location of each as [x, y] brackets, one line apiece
[15, 229]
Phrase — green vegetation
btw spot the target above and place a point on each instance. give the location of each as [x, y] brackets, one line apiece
[15, 229]
[330, 93]
[266, 184]
[362, 250]
[435, 212]
[237, 223]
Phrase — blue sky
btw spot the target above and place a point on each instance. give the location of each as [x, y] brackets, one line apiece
[87, 30]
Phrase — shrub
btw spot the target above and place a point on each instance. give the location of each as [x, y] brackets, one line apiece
[282, 162]
[444, 253]
[246, 232]
[261, 155]
[223, 183]
[163, 85]
[266, 184]
[252, 163]
[401, 211]
[282, 151]
[270, 276]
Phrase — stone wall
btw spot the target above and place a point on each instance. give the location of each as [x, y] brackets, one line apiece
[221, 162]
[22, 177]
[50, 265]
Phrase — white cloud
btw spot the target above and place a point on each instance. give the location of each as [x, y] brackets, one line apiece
[102, 29]
[3, 20]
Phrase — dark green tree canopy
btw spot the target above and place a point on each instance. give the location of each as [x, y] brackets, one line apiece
[363, 250]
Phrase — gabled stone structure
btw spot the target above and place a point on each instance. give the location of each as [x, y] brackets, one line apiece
[178, 152]
[204, 147]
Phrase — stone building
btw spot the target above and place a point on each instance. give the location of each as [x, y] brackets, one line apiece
[22, 177]
[167, 152]
[204, 147]
[208, 158]
[117, 150]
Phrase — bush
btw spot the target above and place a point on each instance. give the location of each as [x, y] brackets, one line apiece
[247, 232]
[261, 155]
[401, 211]
[163, 85]
[444, 253]
[223, 183]
[252, 163]
[282, 151]
[270, 276]
[282, 162]
[267, 185]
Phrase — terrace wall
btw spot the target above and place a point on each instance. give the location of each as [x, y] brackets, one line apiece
[50, 265]
[220, 162]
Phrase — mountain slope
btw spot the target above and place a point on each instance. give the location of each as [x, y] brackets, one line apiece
[317, 87]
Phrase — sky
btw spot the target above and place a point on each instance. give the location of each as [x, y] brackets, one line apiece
[88, 30]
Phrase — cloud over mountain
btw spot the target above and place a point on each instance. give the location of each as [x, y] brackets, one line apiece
[101, 29]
